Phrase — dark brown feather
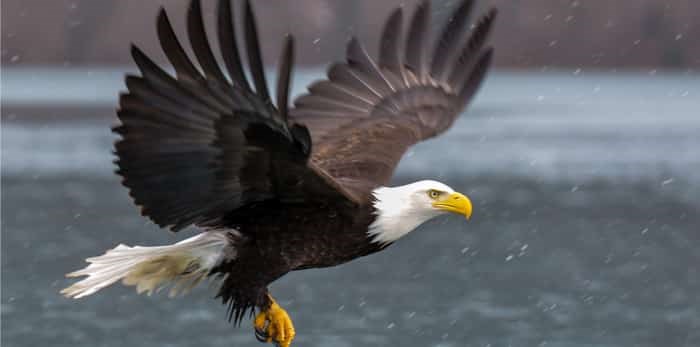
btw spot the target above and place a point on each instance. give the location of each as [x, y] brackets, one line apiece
[389, 49]
[284, 77]
[415, 44]
[473, 82]
[345, 76]
[329, 104]
[229, 47]
[445, 49]
[254, 57]
[470, 52]
[359, 60]
[200, 44]
[335, 91]
[173, 50]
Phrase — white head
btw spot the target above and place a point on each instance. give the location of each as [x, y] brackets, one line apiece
[401, 209]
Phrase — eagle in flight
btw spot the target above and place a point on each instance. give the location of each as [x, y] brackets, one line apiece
[276, 188]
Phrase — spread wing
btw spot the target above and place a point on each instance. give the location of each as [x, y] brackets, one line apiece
[366, 114]
[197, 146]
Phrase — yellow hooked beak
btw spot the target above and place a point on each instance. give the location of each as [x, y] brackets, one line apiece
[455, 203]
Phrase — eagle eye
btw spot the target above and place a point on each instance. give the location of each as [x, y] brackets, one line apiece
[434, 194]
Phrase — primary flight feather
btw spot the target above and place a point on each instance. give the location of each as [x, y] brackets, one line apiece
[278, 188]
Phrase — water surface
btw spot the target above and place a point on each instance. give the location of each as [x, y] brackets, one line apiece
[585, 230]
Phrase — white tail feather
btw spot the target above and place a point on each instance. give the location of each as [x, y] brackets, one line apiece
[183, 264]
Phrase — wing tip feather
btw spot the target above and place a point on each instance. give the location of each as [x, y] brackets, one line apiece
[475, 79]
[255, 60]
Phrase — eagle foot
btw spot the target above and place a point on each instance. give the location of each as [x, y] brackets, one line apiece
[274, 325]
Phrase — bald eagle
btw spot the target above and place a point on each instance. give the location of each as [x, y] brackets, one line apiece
[275, 188]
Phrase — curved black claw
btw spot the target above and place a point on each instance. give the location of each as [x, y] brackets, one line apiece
[261, 335]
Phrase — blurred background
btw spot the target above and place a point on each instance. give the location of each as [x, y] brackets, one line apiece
[581, 152]
[595, 34]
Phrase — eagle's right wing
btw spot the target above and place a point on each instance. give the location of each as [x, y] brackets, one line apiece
[366, 115]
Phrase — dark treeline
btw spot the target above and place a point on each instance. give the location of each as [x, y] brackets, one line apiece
[530, 34]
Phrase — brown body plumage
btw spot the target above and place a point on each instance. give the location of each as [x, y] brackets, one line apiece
[279, 238]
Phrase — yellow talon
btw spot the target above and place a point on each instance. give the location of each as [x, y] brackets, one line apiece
[274, 325]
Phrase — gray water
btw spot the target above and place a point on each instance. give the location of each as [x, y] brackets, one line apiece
[585, 230]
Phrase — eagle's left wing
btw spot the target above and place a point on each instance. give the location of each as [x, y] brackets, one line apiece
[366, 115]
[195, 147]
